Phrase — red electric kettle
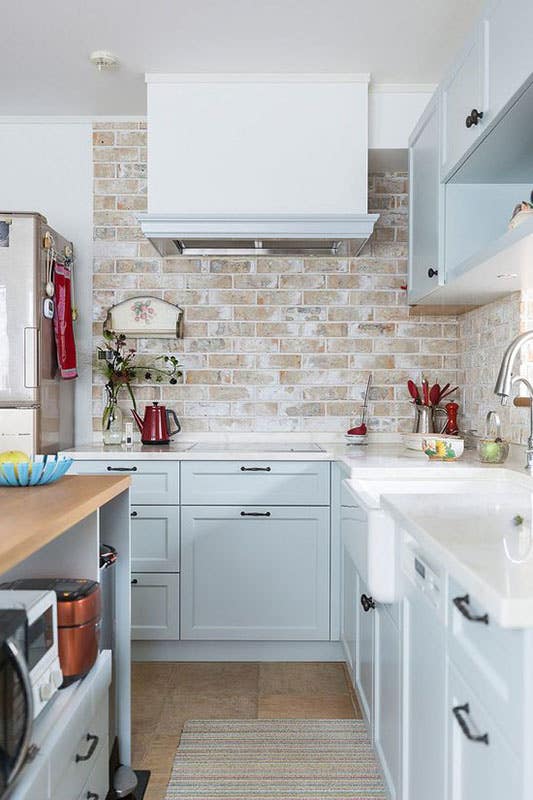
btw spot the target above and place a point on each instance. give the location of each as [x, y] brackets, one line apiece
[155, 427]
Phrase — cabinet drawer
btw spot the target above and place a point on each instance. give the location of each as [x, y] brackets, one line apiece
[485, 768]
[255, 482]
[490, 657]
[155, 539]
[154, 606]
[152, 482]
[83, 755]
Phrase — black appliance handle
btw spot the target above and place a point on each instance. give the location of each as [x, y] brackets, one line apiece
[172, 413]
[458, 712]
[462, 604]
[93, 739]
[21, 668]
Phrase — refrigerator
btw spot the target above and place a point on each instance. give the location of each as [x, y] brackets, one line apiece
[36, 404]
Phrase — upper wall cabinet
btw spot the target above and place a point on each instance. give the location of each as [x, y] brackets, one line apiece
[425, 205]
[510, 27]
[464, 102]
[462, 249]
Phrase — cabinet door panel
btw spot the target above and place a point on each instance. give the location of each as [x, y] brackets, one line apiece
[154, 606]
[477, 769]
[425, 199]
[388, 692]
[255, 573]
[155, 539]
[423, 723]
[349, 610]
[509, 43]
[464, 91]
[364, 654]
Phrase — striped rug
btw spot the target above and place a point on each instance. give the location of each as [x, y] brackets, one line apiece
[263, 759]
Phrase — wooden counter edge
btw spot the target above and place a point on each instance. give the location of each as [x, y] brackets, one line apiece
[40, 527]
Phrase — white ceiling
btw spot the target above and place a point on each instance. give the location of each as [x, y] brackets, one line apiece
[44, 66]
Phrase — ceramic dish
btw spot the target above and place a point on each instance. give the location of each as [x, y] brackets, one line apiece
[435, 446]
[354, 438]
[37, 472]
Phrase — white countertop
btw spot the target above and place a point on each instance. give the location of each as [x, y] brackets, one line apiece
[474, 538]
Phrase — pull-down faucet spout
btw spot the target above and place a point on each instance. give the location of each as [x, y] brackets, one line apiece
[505, 383]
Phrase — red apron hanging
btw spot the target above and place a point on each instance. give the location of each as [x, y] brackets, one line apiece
[63, 329]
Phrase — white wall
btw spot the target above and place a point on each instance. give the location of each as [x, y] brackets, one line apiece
[47, 167]
[392, 115]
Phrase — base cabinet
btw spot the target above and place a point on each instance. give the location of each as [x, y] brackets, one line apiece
[388, 699]
[349, 610]
[364, 651]
[255, 573]
[481, 765]
[155, 601]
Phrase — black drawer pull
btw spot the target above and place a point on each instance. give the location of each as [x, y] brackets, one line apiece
[134, 581]
[92, 796]
[432, 273]
[255, 513]
[255, 469]
[367, 602]
[462, 604]
[92, 747]
[458, 712]
[133, 514]
[121, 469]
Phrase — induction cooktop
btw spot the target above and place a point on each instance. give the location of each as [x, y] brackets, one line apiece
[257, 447]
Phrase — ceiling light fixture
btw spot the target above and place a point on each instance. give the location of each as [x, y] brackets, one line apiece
[507, 275]
[103, 60]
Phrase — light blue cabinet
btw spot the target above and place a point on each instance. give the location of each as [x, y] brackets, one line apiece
[155, 539]
[255, 573]
[152, 482]
[425, 206]
[388, 699]
[280, 483]
[349, 610]
[510, 61]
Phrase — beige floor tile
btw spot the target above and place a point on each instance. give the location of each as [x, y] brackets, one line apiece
[221, 677]
[205, 705]
[293, 706]
[302, 678]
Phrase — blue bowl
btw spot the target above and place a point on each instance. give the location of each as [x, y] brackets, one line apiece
[37, 472]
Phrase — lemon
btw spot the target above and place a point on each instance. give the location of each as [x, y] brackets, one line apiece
[14, 457]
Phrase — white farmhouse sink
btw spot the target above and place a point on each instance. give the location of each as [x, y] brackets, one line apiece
[380, 570]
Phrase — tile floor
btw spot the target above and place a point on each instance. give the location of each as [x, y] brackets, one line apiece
[167, 694]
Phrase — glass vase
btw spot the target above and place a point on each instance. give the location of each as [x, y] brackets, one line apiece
[112, 421]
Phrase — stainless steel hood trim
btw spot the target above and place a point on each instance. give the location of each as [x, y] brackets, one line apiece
[258, 234]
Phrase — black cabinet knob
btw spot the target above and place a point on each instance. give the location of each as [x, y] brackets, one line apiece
[367, 602]
[432, 273]
[473, 118]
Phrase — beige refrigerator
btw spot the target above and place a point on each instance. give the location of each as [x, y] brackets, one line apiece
[36, 404]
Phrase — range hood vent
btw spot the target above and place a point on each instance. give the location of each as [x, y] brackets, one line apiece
[245, 235]
[251, 164]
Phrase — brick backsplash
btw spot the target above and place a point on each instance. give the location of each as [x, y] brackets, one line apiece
[271, 344]
[483, 336]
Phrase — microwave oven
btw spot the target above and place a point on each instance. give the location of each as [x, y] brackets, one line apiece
[42, 648]
[16, 696]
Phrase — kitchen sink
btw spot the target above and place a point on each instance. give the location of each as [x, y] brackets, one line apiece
[379, 551]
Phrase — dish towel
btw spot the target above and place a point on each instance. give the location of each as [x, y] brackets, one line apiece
[63, 329]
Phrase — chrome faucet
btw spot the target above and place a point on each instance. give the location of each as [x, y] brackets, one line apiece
[505, 382]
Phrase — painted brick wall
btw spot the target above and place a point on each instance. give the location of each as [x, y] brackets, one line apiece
[484, 335]
[271, 344]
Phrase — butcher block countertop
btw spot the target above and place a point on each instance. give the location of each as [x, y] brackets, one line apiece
[32, 516]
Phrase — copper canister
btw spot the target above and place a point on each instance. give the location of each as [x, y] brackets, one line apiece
[78, 621]
[78, 618]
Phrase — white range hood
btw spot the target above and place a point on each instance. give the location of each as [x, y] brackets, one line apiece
[262, 164]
